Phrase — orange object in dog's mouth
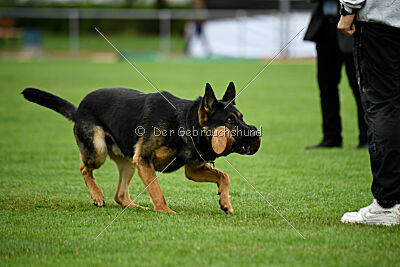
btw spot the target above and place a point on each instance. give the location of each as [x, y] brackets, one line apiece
[222, 140]
[224, 143]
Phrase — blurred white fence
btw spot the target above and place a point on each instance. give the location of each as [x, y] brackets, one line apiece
[261, 36]
[233, 33]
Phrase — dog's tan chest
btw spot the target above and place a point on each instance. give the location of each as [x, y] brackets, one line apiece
[162, 157]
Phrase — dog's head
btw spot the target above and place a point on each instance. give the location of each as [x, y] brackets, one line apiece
[213, 113]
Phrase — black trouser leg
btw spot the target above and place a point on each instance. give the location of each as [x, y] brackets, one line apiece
[329, 64]
[378, 65]
[352, 77]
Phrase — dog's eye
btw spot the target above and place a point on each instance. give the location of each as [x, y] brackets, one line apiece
[230, 120]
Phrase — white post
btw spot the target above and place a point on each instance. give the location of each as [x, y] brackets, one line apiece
[165, 30]
[284, 7]
[73, 31]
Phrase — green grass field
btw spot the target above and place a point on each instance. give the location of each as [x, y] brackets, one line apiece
[126, 42]
[47, 216]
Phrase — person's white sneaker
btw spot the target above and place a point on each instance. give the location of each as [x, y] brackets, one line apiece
[374, 214]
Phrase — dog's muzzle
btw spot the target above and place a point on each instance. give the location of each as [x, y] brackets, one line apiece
[247, 149]
[224, 143]
[251, 149]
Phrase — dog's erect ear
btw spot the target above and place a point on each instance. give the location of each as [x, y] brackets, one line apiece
[209, 99]
[230, 94]
[208, 104]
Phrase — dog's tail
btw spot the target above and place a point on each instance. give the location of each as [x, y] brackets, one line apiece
[50, 101]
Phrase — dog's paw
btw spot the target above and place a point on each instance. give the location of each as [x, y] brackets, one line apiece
[227, 207]
[127, 202]
[99, 203]
[98, 199]
[171, 211]
[165, 210]
[133, 205]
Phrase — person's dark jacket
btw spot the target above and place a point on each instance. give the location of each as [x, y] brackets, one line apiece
[317, 19]
[314, 31]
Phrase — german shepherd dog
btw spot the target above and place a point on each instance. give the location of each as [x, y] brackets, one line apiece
[107, 122]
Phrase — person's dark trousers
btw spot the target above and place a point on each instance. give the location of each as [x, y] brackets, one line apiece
[377, 56]
[330, 60]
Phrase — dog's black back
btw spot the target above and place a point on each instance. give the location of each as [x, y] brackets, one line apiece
[127, 115]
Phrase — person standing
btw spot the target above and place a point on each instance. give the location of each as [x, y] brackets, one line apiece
[333, 50]
[376, 26]
[198, 31]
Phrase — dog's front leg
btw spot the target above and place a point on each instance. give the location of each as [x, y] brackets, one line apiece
[148, 175]
[204, 173]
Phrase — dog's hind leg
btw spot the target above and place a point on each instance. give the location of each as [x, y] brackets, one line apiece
[126, 171]
[93, 148]
[95, 191]
[204, 173]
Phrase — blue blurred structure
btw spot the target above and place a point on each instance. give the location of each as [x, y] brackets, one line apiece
[32, 39]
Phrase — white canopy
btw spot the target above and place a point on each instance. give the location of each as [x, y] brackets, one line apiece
[252, 37]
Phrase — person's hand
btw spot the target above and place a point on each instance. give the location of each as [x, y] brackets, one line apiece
[346, 24]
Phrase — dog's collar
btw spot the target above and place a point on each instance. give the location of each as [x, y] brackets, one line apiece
[212, 162]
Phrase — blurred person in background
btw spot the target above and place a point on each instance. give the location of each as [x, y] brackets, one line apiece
[376, 26]
[198, 30]
[333, 50]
